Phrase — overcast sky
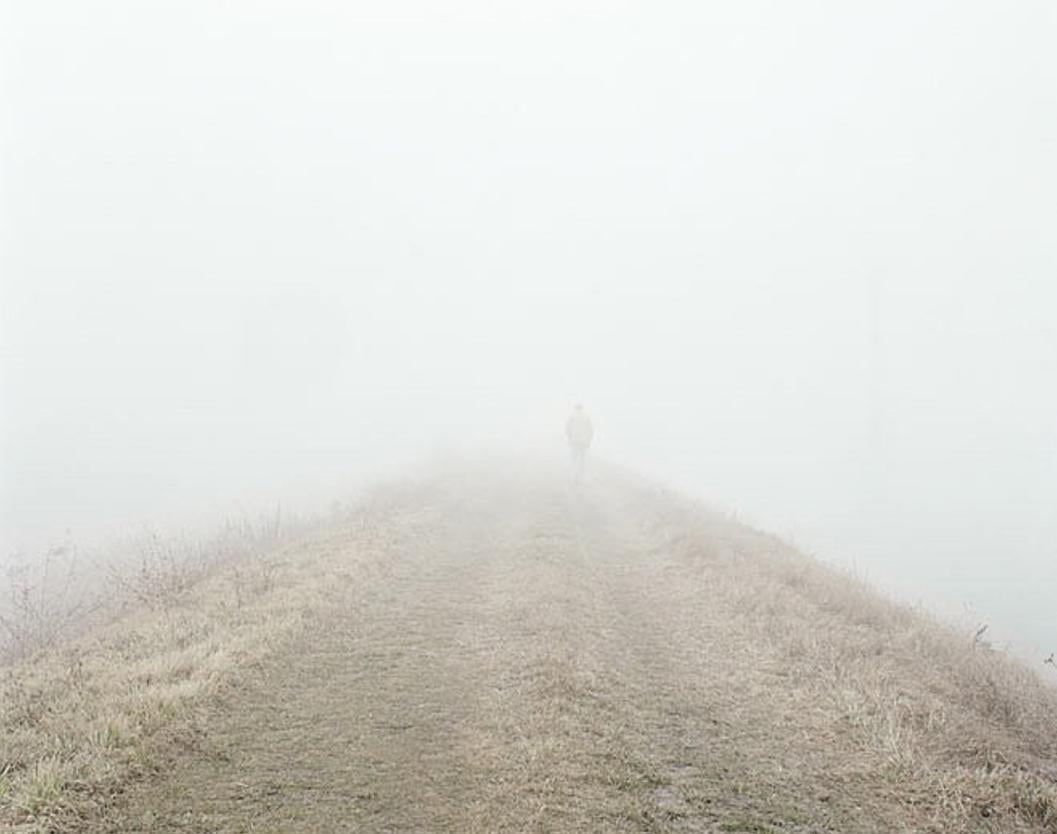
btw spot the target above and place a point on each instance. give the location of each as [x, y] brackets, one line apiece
[799, 259]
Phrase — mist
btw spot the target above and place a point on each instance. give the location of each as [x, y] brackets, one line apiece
[795, 259]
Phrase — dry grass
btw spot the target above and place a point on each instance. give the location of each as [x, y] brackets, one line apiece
[63, 593]
[83, 715]
[967, 733]
[811, 682]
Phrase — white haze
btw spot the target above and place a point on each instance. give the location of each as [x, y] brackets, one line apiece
[799, 259]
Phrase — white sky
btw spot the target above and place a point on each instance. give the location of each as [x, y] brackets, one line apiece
[252, 250]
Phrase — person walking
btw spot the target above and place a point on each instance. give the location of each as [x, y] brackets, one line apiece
[579, 432]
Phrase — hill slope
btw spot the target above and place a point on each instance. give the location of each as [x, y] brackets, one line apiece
[529, 657]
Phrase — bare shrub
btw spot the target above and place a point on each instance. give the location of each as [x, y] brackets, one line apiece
[164, 570]
[158, 571]
[48, 600]
[43, 603]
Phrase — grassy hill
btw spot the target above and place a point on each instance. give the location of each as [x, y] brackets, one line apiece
[494, 649]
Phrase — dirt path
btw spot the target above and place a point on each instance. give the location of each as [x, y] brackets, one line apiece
[532, 660]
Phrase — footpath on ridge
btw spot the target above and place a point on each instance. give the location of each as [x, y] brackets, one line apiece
[534, 657]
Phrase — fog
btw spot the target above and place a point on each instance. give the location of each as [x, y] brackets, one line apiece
[797, 260]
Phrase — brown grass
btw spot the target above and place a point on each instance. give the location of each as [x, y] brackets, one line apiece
[81, 716]
[891, 703]
[966, 731]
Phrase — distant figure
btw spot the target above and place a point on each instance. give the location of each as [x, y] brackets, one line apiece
[579, 432]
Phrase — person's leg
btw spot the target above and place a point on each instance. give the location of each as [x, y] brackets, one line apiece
[578, 462]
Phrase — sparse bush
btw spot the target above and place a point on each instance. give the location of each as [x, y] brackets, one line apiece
[163, 571]
[50, 599]
[43, 603]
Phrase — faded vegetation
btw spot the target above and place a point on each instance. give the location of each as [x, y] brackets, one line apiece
[103, 660]
[966, 732]
[598, 634]
[48, 600]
